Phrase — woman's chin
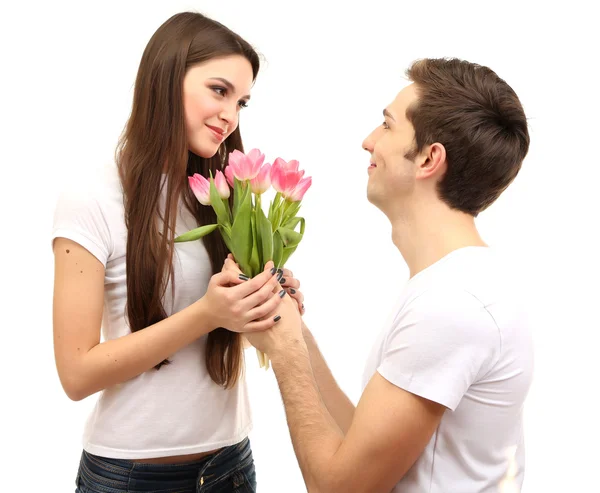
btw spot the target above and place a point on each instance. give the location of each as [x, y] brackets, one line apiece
[205, 152]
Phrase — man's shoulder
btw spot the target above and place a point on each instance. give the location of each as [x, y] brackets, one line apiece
[445, 302]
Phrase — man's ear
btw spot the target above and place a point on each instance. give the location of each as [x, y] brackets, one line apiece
[432, 161]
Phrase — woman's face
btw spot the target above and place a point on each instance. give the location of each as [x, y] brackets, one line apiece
[214, 92]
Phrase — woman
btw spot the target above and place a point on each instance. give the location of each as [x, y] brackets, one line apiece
[173, 414]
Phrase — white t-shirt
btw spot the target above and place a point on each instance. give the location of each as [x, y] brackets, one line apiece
[460, 337]
[177, 409]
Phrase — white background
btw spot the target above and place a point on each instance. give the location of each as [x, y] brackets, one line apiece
[67, 71]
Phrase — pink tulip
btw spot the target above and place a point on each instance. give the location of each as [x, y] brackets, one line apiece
[262, 182]
[201, 188]
[229, 176]
[285, 177]
[246, 166]
[221, 185]
[298, 192]
[291, 165]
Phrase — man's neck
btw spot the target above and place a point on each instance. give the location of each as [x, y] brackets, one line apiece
[426, 236]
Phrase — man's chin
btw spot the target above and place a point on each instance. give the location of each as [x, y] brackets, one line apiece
[372, 196]
[376, 200]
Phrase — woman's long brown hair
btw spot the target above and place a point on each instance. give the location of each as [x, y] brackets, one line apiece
[154, 142]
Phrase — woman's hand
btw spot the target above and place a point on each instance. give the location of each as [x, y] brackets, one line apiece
[285, 276]
[292, 286]
[240, 304]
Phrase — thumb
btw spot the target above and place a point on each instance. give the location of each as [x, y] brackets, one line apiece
[228, 277]
[230, 265]
[269, 265]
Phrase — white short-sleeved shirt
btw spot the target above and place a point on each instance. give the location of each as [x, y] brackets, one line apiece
[460, 337]
[177, 409]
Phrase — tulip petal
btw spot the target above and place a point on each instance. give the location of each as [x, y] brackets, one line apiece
[200, 187]
[222, 186]
[300, 189]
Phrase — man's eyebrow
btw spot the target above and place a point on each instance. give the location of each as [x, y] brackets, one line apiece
[388, 114]
[229, 85]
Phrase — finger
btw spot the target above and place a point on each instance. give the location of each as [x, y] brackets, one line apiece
[261, 325]
[272, 288]
[231, 265]
[227, 278]
[257, 282]
[290, 282]
[231, 257]
[267, 307]
[296, 295]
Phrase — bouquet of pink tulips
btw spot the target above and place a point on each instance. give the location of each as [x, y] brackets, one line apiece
[253, 237]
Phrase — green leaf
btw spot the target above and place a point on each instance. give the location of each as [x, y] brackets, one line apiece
[265, 236]
[217, 204]
[277, 249]
[273, 206]
[241, 234]
[287, 253]
[291, 210]
[292, 222]
[289, 250]
[226, 235]
[237, 195]
[255, 256]
[196, 234]
[289, 237]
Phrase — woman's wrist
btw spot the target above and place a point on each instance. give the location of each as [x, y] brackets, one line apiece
[204, 315]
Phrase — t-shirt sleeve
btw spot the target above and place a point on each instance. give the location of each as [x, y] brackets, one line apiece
[79, 217]
[439, 345]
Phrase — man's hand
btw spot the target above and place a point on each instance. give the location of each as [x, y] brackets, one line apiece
[287, 315]
[286, 333]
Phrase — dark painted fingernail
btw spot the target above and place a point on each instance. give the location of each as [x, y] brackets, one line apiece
[273, 270]
[282, 293]
[277, 318]
[280, 276]
[304, 309]
[243, 277]
[292, 290]
[282, 280]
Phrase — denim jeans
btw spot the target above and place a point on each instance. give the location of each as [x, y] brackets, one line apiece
[231, 470]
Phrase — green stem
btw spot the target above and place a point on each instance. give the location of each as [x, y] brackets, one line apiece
[258, 205]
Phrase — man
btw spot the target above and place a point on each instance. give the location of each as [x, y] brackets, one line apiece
[446, 382]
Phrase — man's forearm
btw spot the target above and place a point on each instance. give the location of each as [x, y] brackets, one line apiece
[336, 401]
[315, 435]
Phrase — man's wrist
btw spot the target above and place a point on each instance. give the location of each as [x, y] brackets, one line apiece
[306, 333]
[290, 348]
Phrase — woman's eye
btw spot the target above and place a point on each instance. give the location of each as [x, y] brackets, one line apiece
[385, 125]
[243, 104]
[221, 91]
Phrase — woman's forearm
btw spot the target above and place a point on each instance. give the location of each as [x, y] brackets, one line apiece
[115, 361]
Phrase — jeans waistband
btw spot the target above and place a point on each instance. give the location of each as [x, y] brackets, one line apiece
[115, 475]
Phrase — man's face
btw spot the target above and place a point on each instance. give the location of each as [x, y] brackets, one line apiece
[391, 173]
